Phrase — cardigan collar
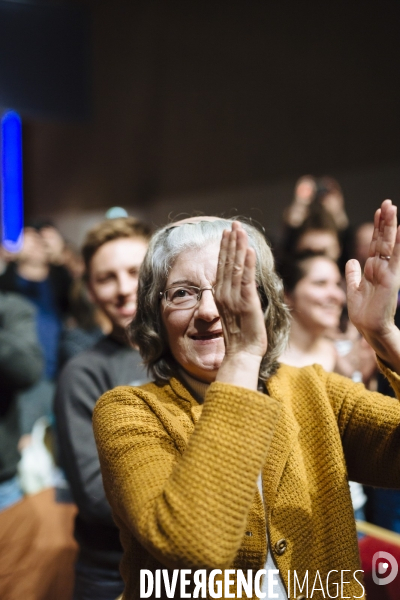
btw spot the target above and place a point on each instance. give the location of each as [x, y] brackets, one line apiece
[181, 389]
[196, 387]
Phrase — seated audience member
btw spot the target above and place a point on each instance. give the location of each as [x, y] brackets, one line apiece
[46, 286]
[182, 457]
[113, 252]
[20, 366]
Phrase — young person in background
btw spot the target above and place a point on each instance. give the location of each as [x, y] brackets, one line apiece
[113, 252]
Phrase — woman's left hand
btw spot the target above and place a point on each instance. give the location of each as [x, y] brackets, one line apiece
[372, 296]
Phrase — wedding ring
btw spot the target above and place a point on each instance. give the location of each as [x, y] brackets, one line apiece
[381, 256]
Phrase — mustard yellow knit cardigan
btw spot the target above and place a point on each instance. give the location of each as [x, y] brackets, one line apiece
[182, 478]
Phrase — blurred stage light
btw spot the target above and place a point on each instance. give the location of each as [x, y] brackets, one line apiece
[12, 210]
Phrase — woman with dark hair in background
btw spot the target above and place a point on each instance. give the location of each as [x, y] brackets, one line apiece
[314, 293]
[315, 296]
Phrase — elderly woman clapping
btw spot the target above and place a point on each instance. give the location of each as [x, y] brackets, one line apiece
[229, 460]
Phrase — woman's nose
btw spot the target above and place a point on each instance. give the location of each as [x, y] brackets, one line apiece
[206, 308]
[126, 284]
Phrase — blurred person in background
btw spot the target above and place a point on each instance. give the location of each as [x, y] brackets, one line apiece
[59, 252]
[321, 199]
[304, 194]
[53, 241]
[46, 286]
[317, 233]
[330, 196]
[113, 252]
[308, 191]
[315, 296]
[20, 366]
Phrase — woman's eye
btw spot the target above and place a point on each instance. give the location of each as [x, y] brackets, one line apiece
[181, 293]
[320, 282]
[104, 278]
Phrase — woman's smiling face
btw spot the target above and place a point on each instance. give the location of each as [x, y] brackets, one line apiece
[195, 335]
[318, 298]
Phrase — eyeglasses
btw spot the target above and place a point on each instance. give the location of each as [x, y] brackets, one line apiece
[184, 296]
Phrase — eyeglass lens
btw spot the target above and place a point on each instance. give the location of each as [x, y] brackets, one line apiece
[187, 296]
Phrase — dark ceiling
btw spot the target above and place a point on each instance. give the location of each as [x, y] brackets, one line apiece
[189, 96]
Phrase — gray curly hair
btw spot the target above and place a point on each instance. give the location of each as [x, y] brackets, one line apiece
[146, 330]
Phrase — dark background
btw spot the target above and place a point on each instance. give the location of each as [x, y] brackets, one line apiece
[164, 106]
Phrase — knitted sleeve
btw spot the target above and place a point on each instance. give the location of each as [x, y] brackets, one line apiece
[187, 508]
[369, 425]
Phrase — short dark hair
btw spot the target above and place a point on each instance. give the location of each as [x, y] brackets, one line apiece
[318, 219]
[292, 268]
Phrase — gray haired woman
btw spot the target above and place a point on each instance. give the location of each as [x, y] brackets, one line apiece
[229, 466]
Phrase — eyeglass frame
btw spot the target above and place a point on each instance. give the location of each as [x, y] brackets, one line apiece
[263, 297]
[194, 287]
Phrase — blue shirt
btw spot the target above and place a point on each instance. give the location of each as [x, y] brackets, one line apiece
[48, 320]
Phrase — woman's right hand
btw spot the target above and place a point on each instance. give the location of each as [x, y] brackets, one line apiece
[240, 310]
[372, 295]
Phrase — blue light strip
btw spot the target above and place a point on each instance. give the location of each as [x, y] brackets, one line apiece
[12, 209]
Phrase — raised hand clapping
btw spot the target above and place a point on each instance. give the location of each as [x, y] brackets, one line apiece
[372, 295]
